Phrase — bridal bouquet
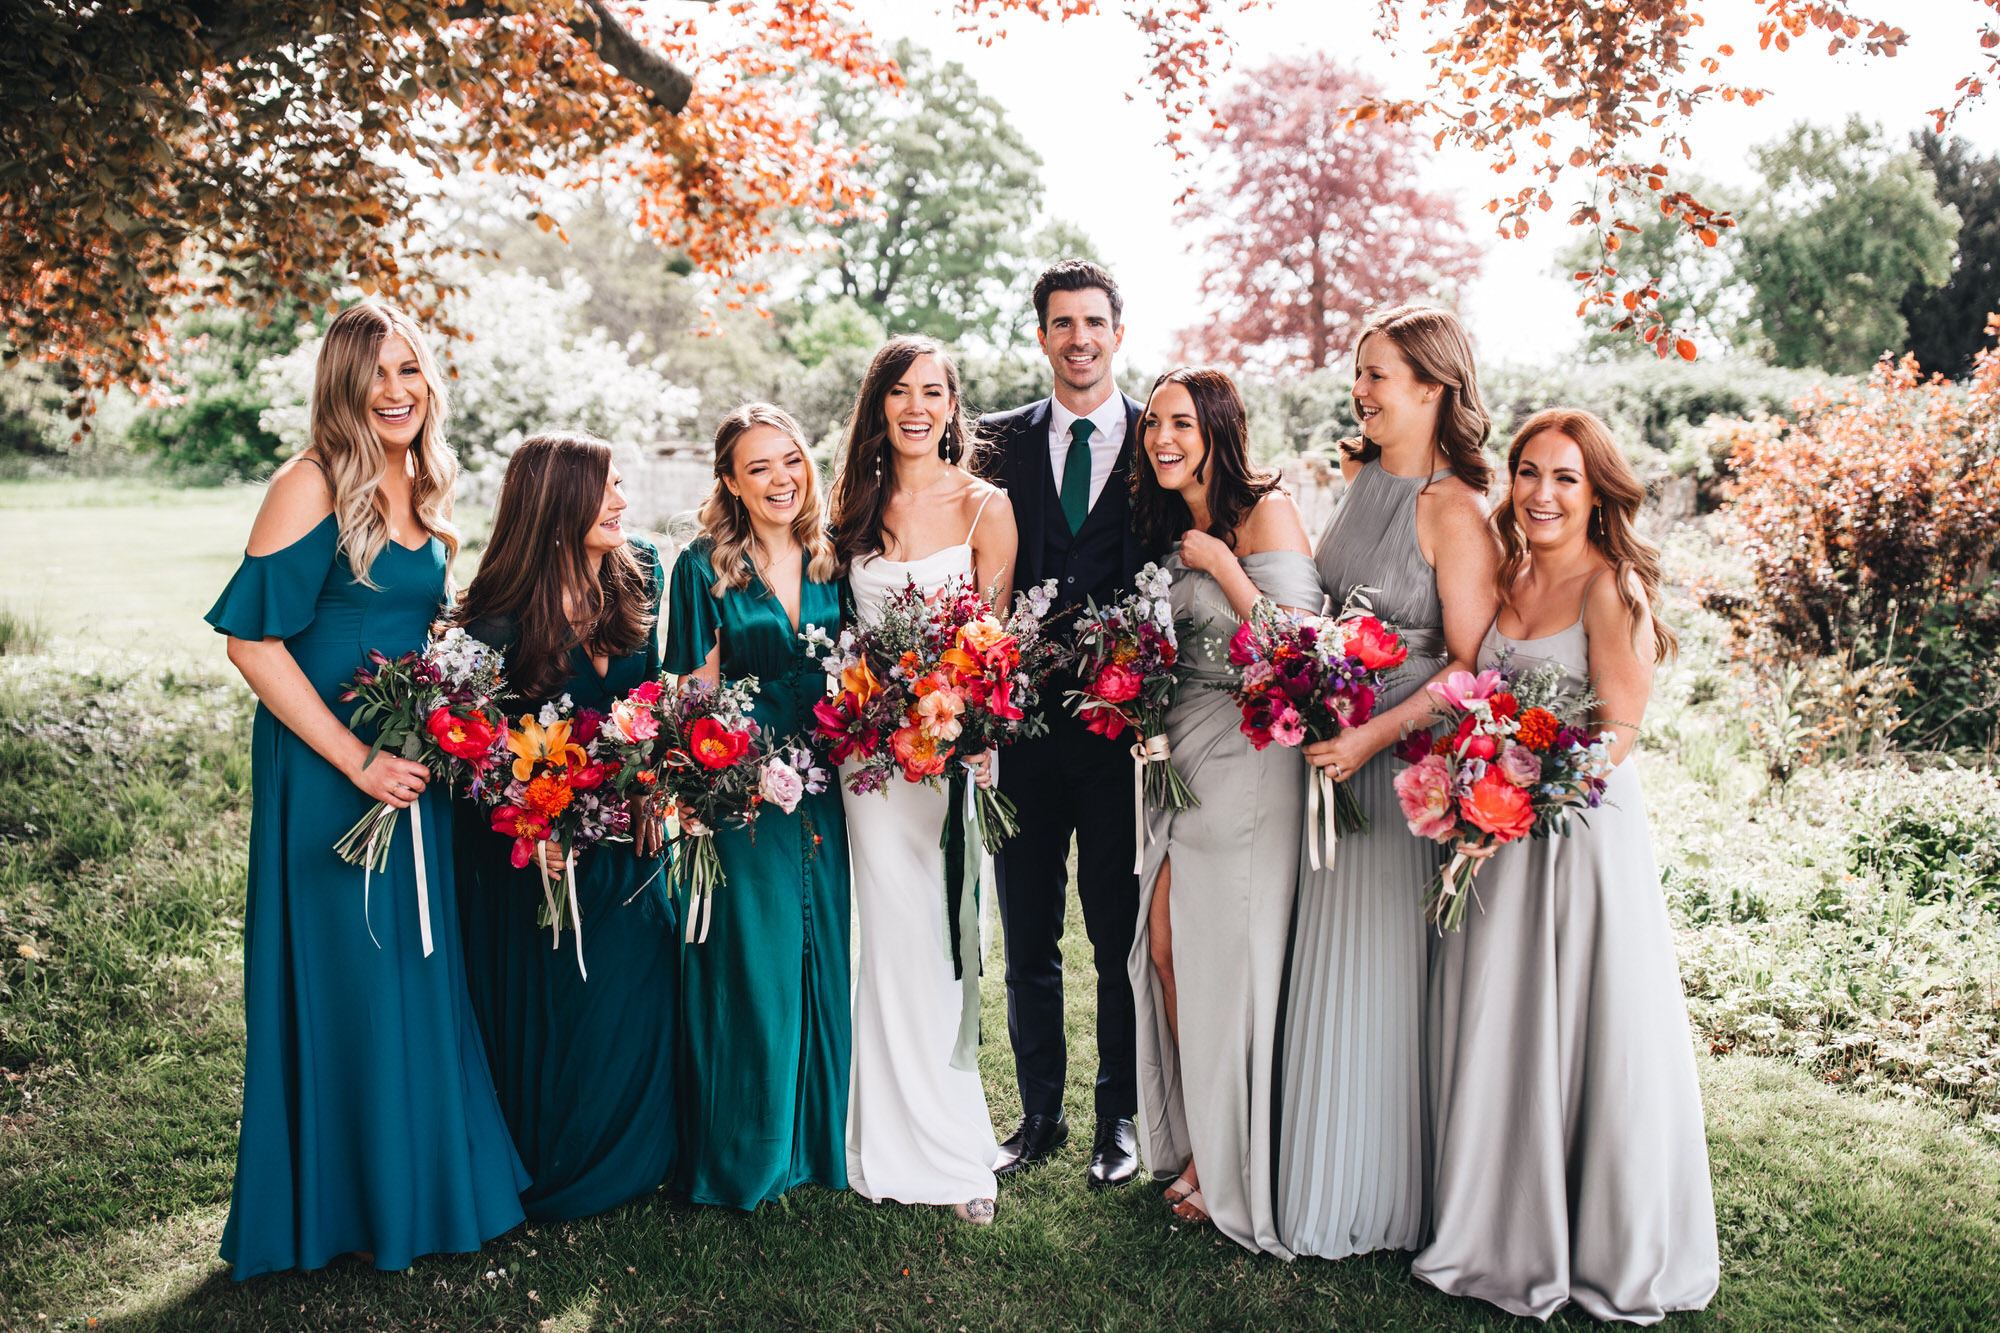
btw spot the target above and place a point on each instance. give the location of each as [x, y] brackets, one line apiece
[1308, 679]
[935, 679]
[1516, 759]
[435, 707]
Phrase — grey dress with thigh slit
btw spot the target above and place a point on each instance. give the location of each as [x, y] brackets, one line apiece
[1234, 867]
[1571, 1163]
[1352, 1144]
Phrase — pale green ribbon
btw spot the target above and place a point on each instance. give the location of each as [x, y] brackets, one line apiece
[965, 1049]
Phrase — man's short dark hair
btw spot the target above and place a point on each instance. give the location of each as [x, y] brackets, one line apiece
[1076, 275]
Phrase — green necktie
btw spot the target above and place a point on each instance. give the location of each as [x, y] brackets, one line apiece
[1076, 475]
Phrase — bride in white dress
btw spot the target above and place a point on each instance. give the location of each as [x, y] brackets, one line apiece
[906, 507]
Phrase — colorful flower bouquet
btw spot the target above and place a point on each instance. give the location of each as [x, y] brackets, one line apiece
[1516, 759]
[435, 707]
[1124, 655]
[935, 679]
[1309, 679]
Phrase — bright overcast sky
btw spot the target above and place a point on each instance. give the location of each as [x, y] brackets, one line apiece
[1066, 88]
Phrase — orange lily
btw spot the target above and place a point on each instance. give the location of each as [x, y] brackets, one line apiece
[533, 743]
[860, 682]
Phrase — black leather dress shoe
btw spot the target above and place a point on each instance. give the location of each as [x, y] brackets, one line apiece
[1114, 1153]
[1034, 1140]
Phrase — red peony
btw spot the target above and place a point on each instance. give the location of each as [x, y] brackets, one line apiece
[1116, 684]
[466, 737]
[1374, 645]
[714, 745]
[1498, 806]
[647, 693]
[1106, 722]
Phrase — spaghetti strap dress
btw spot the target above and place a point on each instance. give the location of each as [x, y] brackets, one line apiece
[765, 1032]
[1235, 866]
[584, 1064]
[1571, 1161]
[369, 1119]
[1351, 1149]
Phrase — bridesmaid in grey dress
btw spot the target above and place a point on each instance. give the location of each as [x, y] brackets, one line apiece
[1216, 882]
[1411, 528]
[1571, 1163]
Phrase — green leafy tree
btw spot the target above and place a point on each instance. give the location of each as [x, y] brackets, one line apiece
[1701, 293]
[1948, 323]
[957, 189]
[1845, 228]
[214, 427]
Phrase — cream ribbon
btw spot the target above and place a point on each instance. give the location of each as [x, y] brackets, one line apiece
[1322, 816]
[423, 880]
[555, 913]
[965, 1045]
[706, 908]
[1152, 750]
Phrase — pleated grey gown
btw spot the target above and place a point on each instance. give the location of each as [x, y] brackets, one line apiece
[1351, 1149]
[1571, 1162]
[1234, 870]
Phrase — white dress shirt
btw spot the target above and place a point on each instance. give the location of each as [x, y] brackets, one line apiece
[1107, 437]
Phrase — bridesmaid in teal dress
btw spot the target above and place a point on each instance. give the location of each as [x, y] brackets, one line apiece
[765, 1033]
[584, 1063]
[369, 1122]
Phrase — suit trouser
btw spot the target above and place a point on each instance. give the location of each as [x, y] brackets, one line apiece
[1069, 782]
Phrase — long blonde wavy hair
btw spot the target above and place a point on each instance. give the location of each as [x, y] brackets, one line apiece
[726, 522]
[1612, 527]
[344, 439]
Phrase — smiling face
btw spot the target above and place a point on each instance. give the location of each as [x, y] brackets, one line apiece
[1170, 436]
[1392, 404]
[917, 408]
[607, 530]
[771, 475]
[399, 398]
[1551, 494]
[1079, 338]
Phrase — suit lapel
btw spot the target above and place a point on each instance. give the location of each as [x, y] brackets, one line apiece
[1030, 453]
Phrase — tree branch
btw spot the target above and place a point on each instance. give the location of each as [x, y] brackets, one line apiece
[667, 83]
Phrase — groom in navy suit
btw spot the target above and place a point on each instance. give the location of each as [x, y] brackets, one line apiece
[1066, 463]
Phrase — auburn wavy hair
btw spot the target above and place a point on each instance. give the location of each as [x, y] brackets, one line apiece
[1159, 515]
[1434, 343]
[726, 522]
[1612, 527]
[867, 465]
[535, 575]
[344, 439]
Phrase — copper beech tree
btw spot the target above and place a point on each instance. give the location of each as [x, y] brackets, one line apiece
[1308, 221]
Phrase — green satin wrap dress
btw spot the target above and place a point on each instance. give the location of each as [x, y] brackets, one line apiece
[369, 1120]
[764, 1000]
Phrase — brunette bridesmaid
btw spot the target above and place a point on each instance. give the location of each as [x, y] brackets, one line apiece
[1411, 532]
[1216, 883]
[1571, 1164]
[584, 1064]
[369, 1122]
[765, 996]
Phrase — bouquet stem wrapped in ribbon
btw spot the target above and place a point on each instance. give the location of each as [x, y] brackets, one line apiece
[434, 707]
[1513, 759]
[1124, 655]
[938, 679]
[1304, 679]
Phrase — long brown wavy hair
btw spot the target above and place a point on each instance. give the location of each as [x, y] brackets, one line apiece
[535, 562]
[1159, 515]
[1619, 495]
[726, 522]
[1434, 343]
[867, 465]
[344, 439]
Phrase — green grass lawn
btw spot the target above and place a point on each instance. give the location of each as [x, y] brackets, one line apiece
[123, 810]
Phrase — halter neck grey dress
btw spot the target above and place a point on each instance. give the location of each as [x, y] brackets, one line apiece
[1231, 904]
[1571, 1163]
[1352, 1147]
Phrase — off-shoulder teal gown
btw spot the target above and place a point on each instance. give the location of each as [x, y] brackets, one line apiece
[584, 1066]
[764, 1000]
[369, 1121]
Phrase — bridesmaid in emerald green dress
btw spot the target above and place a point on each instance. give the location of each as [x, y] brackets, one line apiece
[584, 1063]
[369, 1122]
[765, 1031]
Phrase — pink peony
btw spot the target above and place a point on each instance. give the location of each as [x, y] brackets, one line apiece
[634, 722]
[646, 693]
[1424, 791]
[1116, 684]
[1520, 765]
[779, 784]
